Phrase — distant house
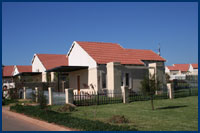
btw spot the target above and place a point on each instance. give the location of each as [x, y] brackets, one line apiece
[97, 66]
[43, 62]
[8, 77]
[193, 69]
[179, 71]
[20, 69]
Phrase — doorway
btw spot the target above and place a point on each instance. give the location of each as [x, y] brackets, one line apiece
[78, 84]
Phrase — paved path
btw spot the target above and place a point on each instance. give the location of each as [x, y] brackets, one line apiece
[12, 121]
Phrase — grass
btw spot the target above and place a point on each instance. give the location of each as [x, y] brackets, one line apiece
[6, 102]
[68, 120]
[179, 114]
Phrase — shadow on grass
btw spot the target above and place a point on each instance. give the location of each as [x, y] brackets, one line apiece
[173, 107]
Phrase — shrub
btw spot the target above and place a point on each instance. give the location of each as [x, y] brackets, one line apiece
[66, 108]
[42, 99]
[118, 119]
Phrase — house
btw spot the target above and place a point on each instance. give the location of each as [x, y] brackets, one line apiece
[20, 69]
[193, 69]
[43, 62]
[99, 67]
[23, 73]
[179, 71]
[8, 77]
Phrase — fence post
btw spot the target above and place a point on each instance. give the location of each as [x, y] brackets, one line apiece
[69, 96]
[170, 90]
[125, 94]
[24, 92]
[97, 98]
[50, 96]
[36, 94]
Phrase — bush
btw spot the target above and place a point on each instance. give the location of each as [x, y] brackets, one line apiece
[66, 108]
[118, 119]
[42, 99]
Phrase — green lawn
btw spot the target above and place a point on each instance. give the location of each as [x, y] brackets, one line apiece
[179, 114]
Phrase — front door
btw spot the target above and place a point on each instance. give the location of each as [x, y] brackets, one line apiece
[78, 84]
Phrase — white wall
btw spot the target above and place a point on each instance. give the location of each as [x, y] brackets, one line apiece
[37, 66]
[167, 70]
[79, 57]
[87, 77]
[193, 71]
[190, 68]
[15, 71]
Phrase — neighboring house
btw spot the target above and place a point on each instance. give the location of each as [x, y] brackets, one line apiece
[23, 73]
[8, 77]
[20, 69]
[193, 69]
[179, 71]
[109, 66]
[43, 62]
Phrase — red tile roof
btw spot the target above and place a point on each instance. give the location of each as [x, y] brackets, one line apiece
[182, 67]
[195, 66]
[53, 60]
[172, 68]
[144, 54]
[7, 71]
[24, 68]
[103, 53]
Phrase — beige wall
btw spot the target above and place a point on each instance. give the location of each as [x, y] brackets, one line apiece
[88, 78]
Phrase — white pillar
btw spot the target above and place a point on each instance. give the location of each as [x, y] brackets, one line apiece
[170, 90]
[69, 96]
[114, 77]
[50, 96]
[36, 94]
[125, 94]
[24, 92]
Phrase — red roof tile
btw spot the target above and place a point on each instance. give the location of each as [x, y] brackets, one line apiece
[7, 71]
[182, 67]
[172, 68]
[103, 53]
[144, 54]
[53, 60]
[195, 66]
[24, 68]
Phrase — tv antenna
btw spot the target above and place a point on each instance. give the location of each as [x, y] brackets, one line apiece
[159, 49]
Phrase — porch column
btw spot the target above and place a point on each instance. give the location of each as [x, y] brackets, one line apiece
[50, 96]
[114, 77]
[125, 94]
[24, 92]
[36, 94]
[170, 90]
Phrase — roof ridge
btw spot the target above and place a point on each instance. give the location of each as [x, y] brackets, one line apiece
[50, 54]
[137, 49]
[95, 42]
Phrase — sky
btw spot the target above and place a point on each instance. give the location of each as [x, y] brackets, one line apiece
[51, 28]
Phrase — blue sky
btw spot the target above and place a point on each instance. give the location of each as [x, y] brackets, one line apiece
[29, 28]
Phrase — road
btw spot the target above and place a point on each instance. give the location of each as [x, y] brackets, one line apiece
[12, 121]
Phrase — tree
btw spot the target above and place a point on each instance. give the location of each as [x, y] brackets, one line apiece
[149, 86]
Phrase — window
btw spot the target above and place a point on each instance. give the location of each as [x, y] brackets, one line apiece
[103, 80]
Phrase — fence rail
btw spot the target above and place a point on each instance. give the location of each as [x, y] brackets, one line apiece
[86, 99]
